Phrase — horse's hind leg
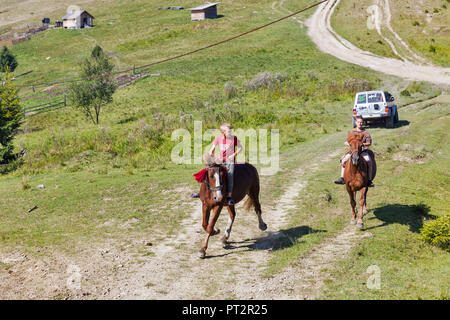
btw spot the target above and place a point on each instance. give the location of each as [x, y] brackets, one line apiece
[232, 213]
[362, 201]
[254, 196]
[351, 195]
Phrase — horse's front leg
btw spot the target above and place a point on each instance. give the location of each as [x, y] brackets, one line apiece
[232, 213]
[206, 212]
[351, 195]
[362, 203]
[210, 230]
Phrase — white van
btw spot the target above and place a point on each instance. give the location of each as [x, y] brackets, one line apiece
[375, 106]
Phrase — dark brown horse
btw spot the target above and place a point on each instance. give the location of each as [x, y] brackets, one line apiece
[246, 182]
[356, 177]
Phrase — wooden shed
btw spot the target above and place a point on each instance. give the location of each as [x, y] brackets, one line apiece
[77, 20]
[205, 11]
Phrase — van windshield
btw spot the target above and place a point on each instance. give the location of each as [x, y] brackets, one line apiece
[361, 98]
[375, 97]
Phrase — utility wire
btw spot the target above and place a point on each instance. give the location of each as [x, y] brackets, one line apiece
[180, 55]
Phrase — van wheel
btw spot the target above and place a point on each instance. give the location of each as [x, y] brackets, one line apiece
[390, 122]
[396, 117]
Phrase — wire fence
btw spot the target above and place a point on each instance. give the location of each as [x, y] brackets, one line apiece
[137, 68]
[48, 106]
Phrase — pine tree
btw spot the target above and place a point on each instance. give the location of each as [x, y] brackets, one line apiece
[8, 61]
[10, 118]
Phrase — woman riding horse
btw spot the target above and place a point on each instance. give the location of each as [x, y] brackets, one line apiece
[229, 146]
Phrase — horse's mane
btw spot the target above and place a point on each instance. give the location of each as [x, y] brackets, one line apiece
[355, 136]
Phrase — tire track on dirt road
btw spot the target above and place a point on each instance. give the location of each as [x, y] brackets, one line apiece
[328, 41]
[175, 271]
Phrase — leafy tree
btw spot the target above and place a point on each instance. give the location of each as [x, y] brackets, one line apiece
[8, 61]
[96, 88]
[10, 118]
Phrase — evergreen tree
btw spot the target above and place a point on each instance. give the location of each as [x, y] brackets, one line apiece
[10, 118]
[8, 61]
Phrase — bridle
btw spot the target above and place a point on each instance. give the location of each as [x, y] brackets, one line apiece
[357, 151]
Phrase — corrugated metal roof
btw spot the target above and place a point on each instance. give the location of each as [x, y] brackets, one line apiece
[204, 6]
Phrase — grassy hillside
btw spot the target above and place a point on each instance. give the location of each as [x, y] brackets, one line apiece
[423, 25]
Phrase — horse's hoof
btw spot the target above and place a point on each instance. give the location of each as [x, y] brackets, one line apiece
[216, 231]
[262, 226]
[201, 254]
[352, 222]
[365, 211]
[359, 225]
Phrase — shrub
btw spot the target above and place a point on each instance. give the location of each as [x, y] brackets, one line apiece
[405, 93]
[416, 23]
[432, 49]
[437, 232]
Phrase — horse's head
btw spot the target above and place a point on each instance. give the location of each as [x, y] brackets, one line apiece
[355, 147]
[215, 180]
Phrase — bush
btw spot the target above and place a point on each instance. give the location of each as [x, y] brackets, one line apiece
[437, 232]
[8, 61]
[264, 80]
[230, 90]
[415, 23]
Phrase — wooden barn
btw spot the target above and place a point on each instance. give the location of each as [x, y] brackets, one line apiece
[77, 20]
[205, 11]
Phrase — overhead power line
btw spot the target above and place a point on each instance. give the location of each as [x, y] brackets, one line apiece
[180, 55]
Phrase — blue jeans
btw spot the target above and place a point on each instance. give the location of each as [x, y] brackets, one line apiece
[230, 174]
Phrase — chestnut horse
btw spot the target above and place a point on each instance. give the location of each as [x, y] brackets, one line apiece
[356, 177]
[212, 190]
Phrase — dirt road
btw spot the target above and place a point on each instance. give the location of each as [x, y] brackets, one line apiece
[328, 41]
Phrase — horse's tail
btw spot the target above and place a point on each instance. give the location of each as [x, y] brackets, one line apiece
[248, 203]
